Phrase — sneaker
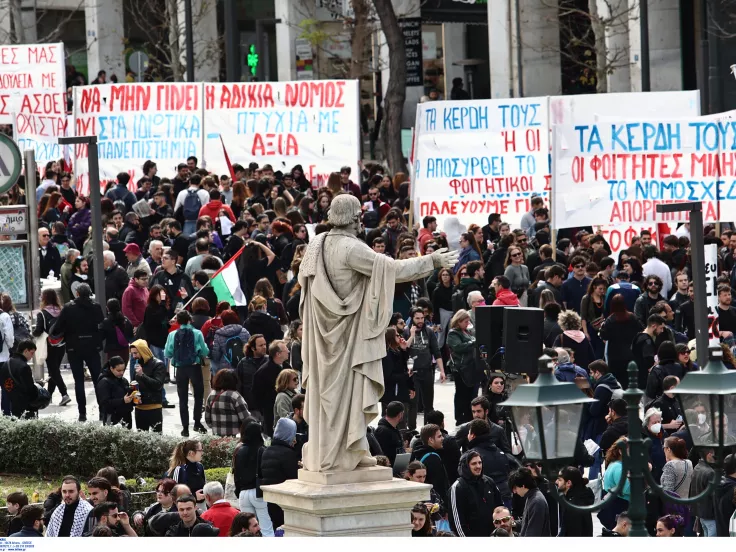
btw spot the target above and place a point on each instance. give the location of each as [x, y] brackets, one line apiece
[167, 404]
[199, 428]
[65, 400]
[82, 417]
[185, 432]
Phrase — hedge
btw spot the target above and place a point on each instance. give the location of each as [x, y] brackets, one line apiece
[50, 446]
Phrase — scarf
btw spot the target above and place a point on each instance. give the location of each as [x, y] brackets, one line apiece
[80, 518]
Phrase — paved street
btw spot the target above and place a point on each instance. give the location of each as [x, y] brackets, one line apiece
[443, 398]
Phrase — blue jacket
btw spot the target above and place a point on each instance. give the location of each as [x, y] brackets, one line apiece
[466, 255]
[568, 372]
[629, 291]
[594, 413]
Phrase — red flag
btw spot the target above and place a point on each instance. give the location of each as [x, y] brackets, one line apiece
[227, 159]
[663, 230]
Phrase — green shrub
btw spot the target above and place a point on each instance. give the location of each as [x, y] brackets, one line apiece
[50, 446]
[217, 474]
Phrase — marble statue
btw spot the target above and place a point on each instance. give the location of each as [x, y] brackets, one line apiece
[346, 303]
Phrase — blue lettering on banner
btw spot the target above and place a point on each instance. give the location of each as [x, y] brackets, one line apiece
[465, 118]
[328, 122]
[520, 115]
[631, 137]
[431, 118]
[458, 167]
[44, 150]
[715, 135]
[250, 122]
[147, 149]
[146, 126]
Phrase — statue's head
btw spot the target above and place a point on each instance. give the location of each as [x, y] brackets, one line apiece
[345, 212]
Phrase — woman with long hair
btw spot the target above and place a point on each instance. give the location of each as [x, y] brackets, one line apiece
[259, 321]
[117, 331]
[287, 385]
[398, 384]
[275, 308]
[546, 298]
[611, 479]
[469, 250]
[678, 471]
[294, 342]
[324, 199]
[477, 232]
[636, 273]
[52, 211]
[282, 235]
[306, 210]
[618, 332]
[155, 326]
[185, 467]
[50, 310]
[421, 523]
[237, 204]
[165, 502]
[80, 221]
[517, 272]
[334, 184]
[591, 313]
[246, 464]
[462, 350]
[112, 390]
[442, 303]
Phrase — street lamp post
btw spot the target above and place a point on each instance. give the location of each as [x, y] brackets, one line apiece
[551, 413]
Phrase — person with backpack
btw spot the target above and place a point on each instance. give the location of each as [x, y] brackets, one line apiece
[120, 192]
[55, 349]
[117, 332]
[229, 342]
[186, 349]
[191, 202]
[21, 328]
[605, 389]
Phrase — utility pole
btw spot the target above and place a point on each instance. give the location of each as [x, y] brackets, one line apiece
[189, 36]
[644, 33]
[233, 62]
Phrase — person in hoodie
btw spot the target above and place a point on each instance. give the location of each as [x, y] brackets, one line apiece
[393, 231]
[260, 322]
[605, 386]
[114, 394]
[572, 337]
[387, 432]
[668, 365]
[279, 463]
[504, 296]
[176, 284]
[79, 323]
[723, 503]
[473, 498]
[573, 485]
[495, 463]
[80, 222]
[567, 371]
[535, 519]
[135, 260]
[215, 208]
[150, 374]
[117, 331]
[135, 297]
[227, 351]
[45, 319]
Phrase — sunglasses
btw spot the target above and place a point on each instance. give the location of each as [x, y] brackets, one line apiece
[579, 266]
[516, 255]
[504, 519]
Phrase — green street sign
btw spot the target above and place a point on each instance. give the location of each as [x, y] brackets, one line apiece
[11, 163]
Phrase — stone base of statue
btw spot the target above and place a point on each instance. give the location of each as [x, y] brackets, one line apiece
[366, 502]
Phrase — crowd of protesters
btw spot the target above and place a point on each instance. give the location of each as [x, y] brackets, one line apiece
[164, 239]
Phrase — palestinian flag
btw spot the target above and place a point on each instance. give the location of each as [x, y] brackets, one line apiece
[226, 282]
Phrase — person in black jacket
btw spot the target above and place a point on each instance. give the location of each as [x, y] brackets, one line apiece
[165, 502]
[116, 279]
[472, 499]
[387, 433]
[427, 453]
[495, 463]
[668, 365]
[618, 424]
[16, 379]
[260, 322]
[113, 394]
[450, 451]
[264, 383]
[191, 523]
[535, 520]
[49, 256]
[723, 505]
[117, 331]
[279, 463]
[79, 323]
[571, 483]
[398, 384]
[255, 357]
[481, 408]
[150, 374]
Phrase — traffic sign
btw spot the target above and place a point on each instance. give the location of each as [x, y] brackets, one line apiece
[10, 163]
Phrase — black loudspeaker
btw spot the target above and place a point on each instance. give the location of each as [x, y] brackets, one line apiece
[489, 334]
[522, 339]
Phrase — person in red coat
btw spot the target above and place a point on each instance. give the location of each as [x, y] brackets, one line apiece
[219, 511]
[215, 207]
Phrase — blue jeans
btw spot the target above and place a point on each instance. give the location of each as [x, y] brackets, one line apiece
[190, 227]
[709, 527]
[248, 502]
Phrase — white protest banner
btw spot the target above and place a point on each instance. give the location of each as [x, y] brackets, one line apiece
[474, 158]
[315, 124]
[135, 122]
[33, 96]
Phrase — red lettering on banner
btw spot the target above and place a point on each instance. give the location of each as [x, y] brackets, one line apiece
[41, 54]
[90, 101]
[44, 104]
[9, 55]
[179, 97]
[41, 125]
[241, 96]
[646, 210]
[86, 127]
[509, 140]
[713, 164]
[547, 182]
[48, 80]
[4, 104]
[130, 97]
[274, 144]
[209, 96]
[315, 94]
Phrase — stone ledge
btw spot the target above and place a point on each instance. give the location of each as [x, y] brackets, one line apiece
[360, 475]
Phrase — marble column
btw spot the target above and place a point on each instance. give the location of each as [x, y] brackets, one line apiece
[105, 33]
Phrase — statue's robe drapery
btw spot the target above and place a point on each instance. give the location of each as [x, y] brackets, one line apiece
[345, 307]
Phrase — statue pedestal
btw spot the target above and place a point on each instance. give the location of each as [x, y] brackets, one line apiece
[364, 502]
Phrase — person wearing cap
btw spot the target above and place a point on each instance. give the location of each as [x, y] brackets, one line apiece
[280, 462]
[135, 260]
